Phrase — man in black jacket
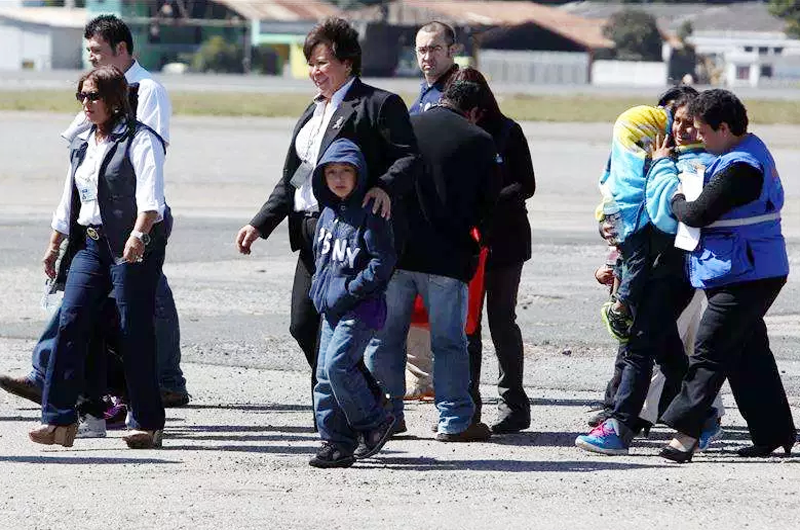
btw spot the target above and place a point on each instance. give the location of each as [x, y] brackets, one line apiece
[456, 193]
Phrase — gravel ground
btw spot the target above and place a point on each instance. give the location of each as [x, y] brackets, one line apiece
[237, 457]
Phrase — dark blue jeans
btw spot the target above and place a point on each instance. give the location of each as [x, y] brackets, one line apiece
[92, 277]
[635, 253]
[344, 402]
[654, 337]
[168, 343]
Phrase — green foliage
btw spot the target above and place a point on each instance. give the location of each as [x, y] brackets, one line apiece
[635, 35]
[788, 10]
[218, 55]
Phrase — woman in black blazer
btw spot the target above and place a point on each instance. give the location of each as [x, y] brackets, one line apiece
[344, 107]
[509, 242]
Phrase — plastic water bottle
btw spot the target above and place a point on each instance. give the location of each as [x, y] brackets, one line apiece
[51, 297]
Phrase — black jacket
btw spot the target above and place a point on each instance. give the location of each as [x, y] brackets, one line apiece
[509, 239]
[375, 120]
[456, 192]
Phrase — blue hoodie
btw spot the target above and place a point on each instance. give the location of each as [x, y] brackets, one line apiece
[353, 248]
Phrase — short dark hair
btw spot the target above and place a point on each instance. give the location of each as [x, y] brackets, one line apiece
[435, 26]
[113, 89]
[677, 96]
[463, 95]
[717, 106]
[111, 29]
[340, 37]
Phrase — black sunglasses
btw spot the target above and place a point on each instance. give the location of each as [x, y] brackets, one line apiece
[91, 96]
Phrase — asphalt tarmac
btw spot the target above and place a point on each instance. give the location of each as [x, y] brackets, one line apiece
[237, 457]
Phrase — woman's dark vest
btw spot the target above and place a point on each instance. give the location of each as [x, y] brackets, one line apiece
[116, 192]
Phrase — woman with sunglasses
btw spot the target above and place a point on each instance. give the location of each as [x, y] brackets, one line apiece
[111, 210]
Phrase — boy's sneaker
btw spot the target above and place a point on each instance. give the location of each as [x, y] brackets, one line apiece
[710, 434]
[331, 455]
[605, 439]
[374, 440]
[476, 432]
[91, 427]
[617, 324]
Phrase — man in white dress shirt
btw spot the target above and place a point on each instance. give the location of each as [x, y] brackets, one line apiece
[109, 42]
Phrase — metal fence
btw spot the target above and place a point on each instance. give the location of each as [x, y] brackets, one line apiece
[547, 68]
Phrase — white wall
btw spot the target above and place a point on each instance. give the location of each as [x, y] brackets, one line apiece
[11, 44]
[629, 73]
[67, 45]
[21, 44]
[511, 66]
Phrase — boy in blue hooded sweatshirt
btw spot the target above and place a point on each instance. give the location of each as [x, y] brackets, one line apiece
[355, 257]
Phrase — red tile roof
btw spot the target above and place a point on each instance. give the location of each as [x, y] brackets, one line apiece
[281, 10]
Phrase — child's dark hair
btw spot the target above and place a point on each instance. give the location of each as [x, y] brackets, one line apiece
[718, 106]
[463, 95]
[111, 29]
[677, 96]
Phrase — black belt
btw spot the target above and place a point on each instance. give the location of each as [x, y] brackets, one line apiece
[310, 215]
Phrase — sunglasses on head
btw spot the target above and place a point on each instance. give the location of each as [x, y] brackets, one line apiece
[91, 96]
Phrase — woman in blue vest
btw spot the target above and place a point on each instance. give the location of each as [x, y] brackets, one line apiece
[741, 264]
[112, 210]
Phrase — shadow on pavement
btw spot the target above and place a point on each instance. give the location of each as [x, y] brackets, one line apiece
[273, 407]
[242, 428]
[18, 418]
[275, 449]
[83, 460]
[563, 466]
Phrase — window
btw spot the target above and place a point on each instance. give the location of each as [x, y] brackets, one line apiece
[766, 70]
[763, 50]
[743, 72]
[748, 49]
[778, 50]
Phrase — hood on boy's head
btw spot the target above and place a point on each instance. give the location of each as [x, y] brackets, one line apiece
[342, 151]
[637, 128]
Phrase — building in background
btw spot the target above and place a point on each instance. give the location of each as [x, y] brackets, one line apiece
[510, 41]
[168, 31]
[40, 38]
[738, 44]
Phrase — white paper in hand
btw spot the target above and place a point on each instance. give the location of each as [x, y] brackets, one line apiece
[687, 237]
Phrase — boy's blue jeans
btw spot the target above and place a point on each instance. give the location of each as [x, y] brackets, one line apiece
[446, 303]
[168, 343]
[344, 405]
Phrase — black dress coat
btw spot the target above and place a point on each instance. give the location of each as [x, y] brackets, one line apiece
[509, 239]
[375, 120]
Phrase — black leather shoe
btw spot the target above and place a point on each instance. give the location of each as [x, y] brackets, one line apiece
[676, 455]
[476, 432]
[21, 387]
[511, 424]
[760, 451]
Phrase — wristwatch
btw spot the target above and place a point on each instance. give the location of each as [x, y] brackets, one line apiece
[141, 236]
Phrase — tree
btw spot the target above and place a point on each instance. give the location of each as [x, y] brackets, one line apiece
[788, 10]
[635, 35]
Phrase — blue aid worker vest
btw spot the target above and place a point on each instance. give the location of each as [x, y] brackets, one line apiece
[746, 243]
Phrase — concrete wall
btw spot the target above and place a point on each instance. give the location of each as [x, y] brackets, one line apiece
[67, 46]
[536, 67]
[25, 46]
[629, 73]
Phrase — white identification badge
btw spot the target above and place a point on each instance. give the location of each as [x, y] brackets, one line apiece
[87, 191]
[688, 237]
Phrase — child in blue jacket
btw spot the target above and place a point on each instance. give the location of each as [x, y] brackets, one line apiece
[355, 257]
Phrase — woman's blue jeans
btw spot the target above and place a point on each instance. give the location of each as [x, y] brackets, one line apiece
[93, 275]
